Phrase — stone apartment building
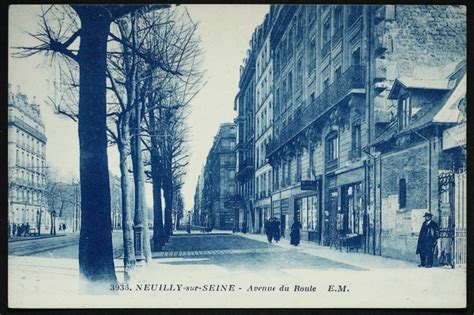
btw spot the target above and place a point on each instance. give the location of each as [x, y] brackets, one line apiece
[334, 67]
[27, 200]
[263, 123]
[219, 180]
[245, 147]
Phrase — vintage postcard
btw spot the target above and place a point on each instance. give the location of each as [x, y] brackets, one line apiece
[237, 156]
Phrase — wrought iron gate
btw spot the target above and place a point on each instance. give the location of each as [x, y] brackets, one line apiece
[452, 219]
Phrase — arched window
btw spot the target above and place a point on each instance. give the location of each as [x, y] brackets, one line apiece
[402, 193]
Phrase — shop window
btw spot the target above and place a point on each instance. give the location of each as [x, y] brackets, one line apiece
[402, 193]
[352, 209]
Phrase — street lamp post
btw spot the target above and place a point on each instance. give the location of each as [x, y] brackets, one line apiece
[38, 219]
[53, 224]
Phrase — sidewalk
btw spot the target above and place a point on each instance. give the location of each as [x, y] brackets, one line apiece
[199, 232]
[357, 259]
[28, 238]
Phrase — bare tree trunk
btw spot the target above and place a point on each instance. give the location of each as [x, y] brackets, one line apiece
[168, 195]
[127, 209]
[141, 217]
[158, 233]
[96, 261]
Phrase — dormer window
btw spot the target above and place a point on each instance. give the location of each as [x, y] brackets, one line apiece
[404, 111]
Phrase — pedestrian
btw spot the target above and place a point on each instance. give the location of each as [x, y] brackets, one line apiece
[27, 229]
[14, 228]
[20, 230]
[188, 228]
[276, 229]
[295, 233]
[244, 227]
[427, 238]
[268, 230]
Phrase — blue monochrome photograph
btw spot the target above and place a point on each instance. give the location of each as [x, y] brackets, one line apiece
[237, 156]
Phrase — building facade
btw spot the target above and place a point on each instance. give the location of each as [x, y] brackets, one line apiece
[219, 181]
[334, 67]
[422, 165]
[263, 123]
[27, 163]
[245, 147]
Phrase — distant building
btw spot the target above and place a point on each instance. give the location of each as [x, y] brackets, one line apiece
[26, 162]
[218, 181]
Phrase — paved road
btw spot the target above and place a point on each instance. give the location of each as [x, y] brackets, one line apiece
[225, 250]
[64, 246]
[236, 252]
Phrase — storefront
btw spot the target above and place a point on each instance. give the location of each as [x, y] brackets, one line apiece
[307, 211]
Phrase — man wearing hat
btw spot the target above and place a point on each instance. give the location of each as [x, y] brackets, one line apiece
[427, 241]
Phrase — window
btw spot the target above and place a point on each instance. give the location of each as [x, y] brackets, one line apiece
[289, 171]
[290, 84]
[337, 73]
[299, 34]
[326, 84]
[332, 147]
[299, 74]
[352, 209]
[277, 178]
[337, 18]
[283, 175]
[326, 31]
[404, 111]
[298, 167]
[312, 55]
[355, 11]
[402, 193]
[356, 141]
[355, 58]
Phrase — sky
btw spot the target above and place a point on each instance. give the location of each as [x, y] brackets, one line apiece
[225, 32]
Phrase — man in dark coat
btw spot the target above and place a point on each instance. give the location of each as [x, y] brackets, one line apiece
[269, 230]
[276, 229]
[295, 233]
[427, 241]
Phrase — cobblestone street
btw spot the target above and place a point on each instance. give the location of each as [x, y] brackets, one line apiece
[236, 252]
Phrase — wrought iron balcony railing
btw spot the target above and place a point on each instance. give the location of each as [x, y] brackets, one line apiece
[245, 167]
[352, 78]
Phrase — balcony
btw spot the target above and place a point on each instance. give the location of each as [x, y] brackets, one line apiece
[352, 78]
[246, 169]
